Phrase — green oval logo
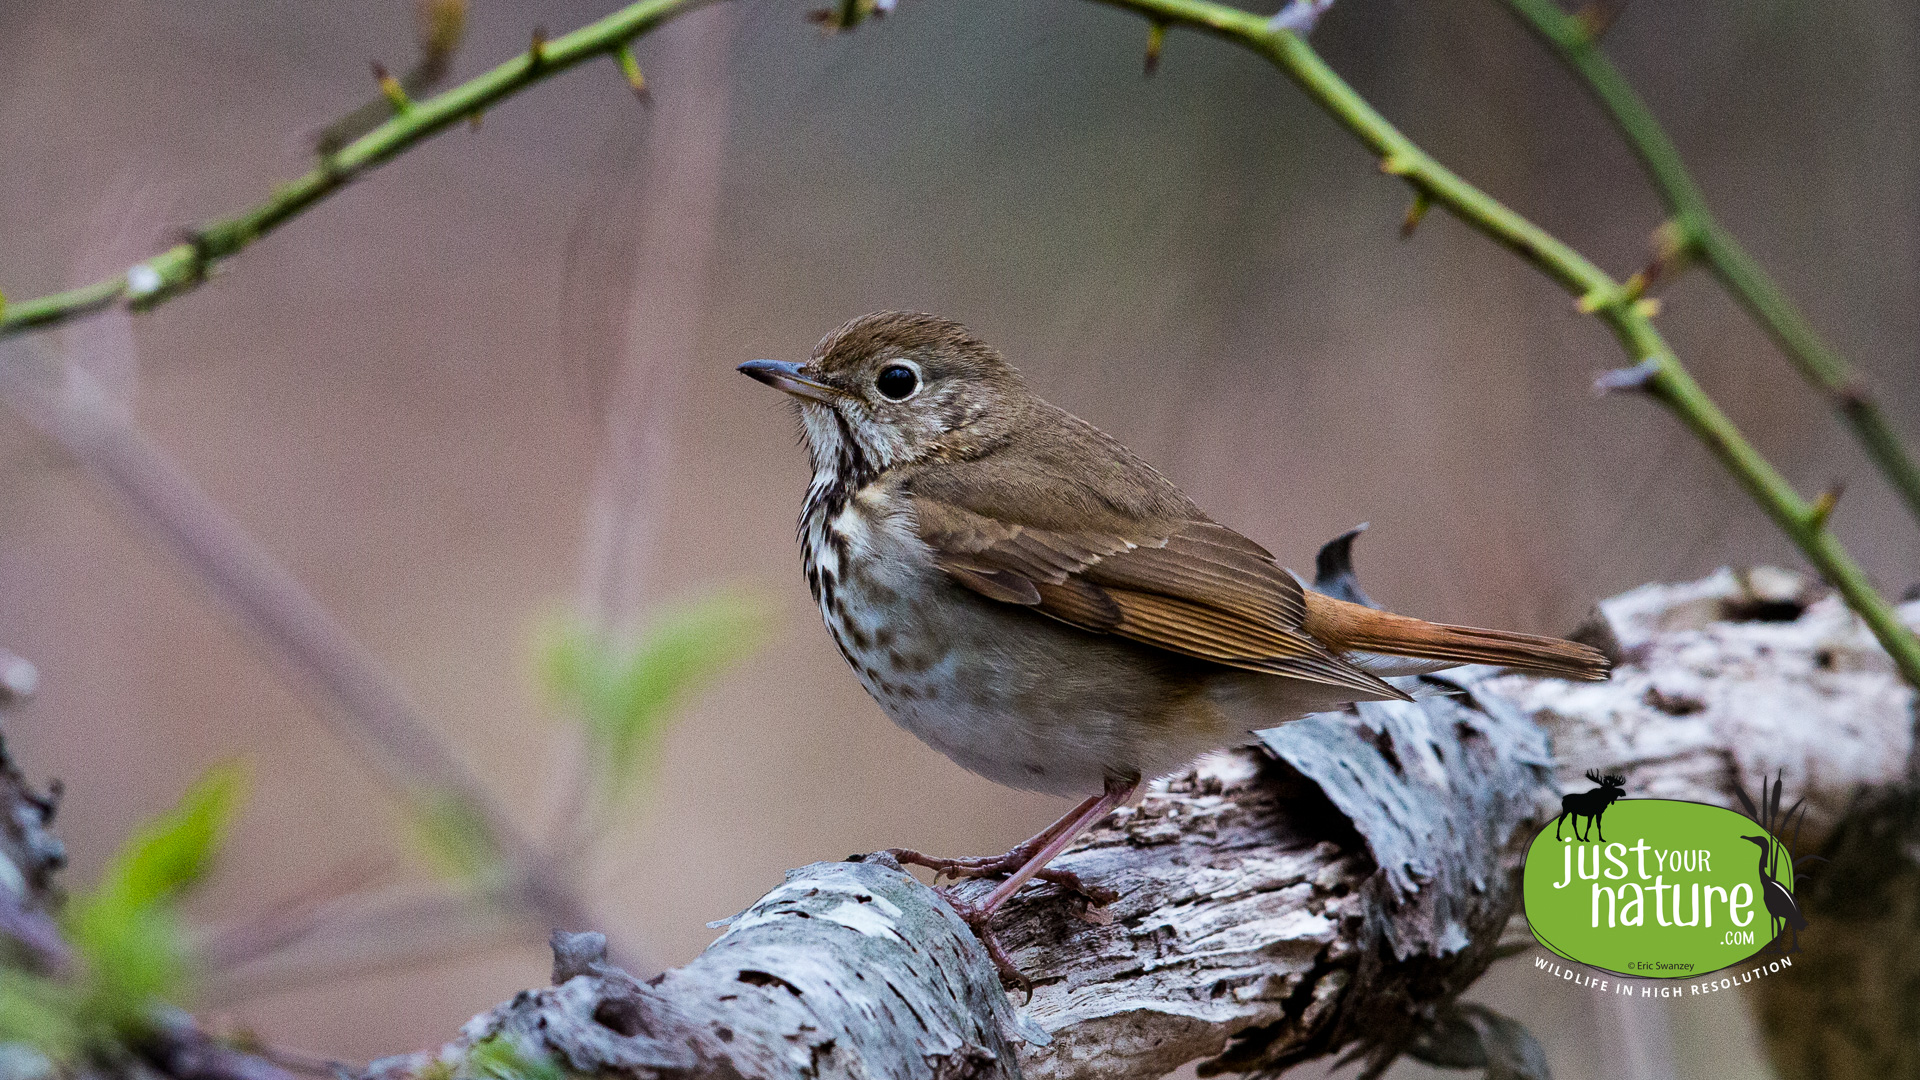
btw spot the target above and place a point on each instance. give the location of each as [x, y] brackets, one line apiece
[1655, 888]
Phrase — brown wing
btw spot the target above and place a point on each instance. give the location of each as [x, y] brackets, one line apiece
[1180, 583]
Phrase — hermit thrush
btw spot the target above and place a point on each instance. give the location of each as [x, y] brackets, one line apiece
[1024, 594]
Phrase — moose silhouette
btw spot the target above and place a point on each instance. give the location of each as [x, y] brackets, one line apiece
[1590, 804]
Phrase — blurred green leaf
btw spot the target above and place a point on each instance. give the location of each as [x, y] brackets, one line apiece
[38, 1012]
[449, 832]
[124, 929]
[625, 688]
[172, 852]
[498, 1058]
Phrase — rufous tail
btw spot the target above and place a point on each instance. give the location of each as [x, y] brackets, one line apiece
[1343, 626]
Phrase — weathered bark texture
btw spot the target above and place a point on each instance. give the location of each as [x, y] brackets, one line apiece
[30, 855]
[1331, 890]
[1727, 680]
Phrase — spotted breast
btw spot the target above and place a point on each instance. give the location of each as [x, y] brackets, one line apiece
[981, 682]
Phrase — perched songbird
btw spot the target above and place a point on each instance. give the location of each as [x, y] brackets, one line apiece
[1029, 598]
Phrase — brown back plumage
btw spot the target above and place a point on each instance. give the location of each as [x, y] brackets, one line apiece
[1026, 504]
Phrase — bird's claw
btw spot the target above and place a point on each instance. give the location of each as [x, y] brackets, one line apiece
[1002, 866]
[976, 918]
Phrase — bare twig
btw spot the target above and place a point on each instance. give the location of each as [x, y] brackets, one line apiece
[292, 920]
[666, 275]
[372, 715]
[184, 266]
[360, 935]
[677, 202]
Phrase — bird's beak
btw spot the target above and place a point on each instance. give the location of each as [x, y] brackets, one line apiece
[790, 377]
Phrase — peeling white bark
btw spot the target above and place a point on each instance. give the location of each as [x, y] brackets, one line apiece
[1710, 697]
[1333, 890]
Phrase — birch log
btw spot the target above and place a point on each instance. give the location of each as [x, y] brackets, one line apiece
[1331, 890]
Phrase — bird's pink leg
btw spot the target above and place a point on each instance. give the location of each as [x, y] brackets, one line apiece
[1087, 814]
[993, 865]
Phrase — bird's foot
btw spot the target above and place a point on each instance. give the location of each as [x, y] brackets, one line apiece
[995, 866]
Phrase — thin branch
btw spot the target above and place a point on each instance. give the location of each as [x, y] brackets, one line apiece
[361, 936]
[1621, 308]
[1701, 236]
[184, 266]
[293, 919]
[372, 716]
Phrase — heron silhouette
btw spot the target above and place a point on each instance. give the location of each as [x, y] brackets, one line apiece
[1781, 906]
[1782, 909]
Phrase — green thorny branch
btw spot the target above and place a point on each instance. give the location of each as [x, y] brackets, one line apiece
[1694, 234]
[185, 265]
[1620, 305]
[1657, 372]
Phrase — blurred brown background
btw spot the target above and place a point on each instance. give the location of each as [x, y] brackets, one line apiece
[405, 393]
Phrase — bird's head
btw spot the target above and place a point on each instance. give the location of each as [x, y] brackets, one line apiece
[895, 387]
[1761, 840]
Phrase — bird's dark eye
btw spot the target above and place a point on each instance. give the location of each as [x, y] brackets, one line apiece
[897, 382]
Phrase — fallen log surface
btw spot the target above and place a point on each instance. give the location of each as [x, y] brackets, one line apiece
[1331, 890]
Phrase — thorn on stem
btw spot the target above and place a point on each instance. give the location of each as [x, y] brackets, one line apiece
[1639, 377]
[474, 118]
[1156, 37]
[1624, 295]
[1416, 212]
[630, 67]
[1853, 396]
[201, 246]
[391, 89]
[440, 24]
[1823, 505]
[847, 14]
[1596, 16]
[1672, 244]
[537, 48]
